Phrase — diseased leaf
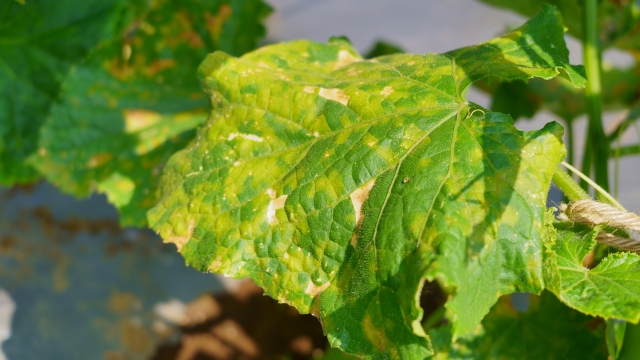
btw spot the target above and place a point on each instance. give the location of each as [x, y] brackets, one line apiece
[541, 332]
[340, 184]
[40, 40]
[610, 290]
[138, 100]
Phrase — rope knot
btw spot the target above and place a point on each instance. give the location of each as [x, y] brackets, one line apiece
[593, 213]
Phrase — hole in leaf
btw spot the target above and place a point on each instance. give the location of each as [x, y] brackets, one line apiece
[432, 300]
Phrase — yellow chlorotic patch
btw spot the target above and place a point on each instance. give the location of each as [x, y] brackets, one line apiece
[118, 188]
[374, 335]
[99, 159]
[138, 119]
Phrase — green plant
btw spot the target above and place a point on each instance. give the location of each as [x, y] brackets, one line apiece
[340, 185]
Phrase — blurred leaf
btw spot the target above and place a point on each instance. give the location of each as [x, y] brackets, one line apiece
[340, 184]
[615, 337]
[617, 21]
[124, 112]
[336, 354]
[381, 48]
[610, 290]
[523, 99]
[547, 330]
[39, 42]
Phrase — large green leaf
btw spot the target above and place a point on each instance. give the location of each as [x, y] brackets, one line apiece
[339, 184]
[39, 41]
[124, 112]
[610, 290]
[547, 330]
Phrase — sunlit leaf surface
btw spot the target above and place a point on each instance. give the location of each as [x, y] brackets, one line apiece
[610, 290]
[340, 184]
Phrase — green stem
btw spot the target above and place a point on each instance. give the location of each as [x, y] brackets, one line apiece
[570, 143]
[568, 186]
[599, 190]
[592, 62]
[627, 150]
[616, 171]
[586, 162]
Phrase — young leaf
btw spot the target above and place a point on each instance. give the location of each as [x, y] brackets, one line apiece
[610, 290]
[339, 184]
[40, 41]
[547, 330]
[124, 112]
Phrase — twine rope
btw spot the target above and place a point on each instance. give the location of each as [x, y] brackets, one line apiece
[593, 213]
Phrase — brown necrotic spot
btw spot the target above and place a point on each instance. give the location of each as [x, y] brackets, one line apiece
[181, 240]
[358, 197]
[315, 290]
[335, 94]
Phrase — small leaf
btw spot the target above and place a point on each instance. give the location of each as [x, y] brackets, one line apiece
[340, 184]
[137, 101]
[610, 290]
[547, 330]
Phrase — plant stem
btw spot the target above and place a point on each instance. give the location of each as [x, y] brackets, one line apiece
[605, 194]
[627, 150]
[570, 143]
[568, 186]
[597, 138]
[586, 162]
[616, 171]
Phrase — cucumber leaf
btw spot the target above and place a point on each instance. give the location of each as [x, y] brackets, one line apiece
[547, 330]
[124, 112]
[339, 184]
[611, 290]
[39, 42]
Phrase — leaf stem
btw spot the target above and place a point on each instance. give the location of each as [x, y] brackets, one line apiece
[586, 162]
[592, 62]
[570, 141]
[627, 150]
[597, 187]
[568, 186]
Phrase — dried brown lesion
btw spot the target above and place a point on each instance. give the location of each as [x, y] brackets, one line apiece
[315, 290]
[182, 240]
[358, 197]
